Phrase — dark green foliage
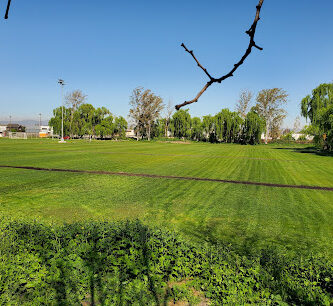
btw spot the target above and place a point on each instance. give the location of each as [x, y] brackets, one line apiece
[319, 109]
[253, 127]
[182, 123]
[228, 126]
[225, 126]
[126, 263]
[86, 120]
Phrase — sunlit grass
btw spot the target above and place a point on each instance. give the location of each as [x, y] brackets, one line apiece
[240, 214]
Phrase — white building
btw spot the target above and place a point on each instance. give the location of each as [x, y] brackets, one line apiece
[3, 129]
[45, 131]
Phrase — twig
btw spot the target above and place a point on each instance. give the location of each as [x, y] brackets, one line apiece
[212, 80]
[7, 10]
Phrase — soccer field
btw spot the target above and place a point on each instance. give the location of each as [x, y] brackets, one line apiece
[246, 215]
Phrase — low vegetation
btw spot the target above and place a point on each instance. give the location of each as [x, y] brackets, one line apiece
[129, 263]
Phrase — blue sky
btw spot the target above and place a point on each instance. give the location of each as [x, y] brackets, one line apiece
[107, 48]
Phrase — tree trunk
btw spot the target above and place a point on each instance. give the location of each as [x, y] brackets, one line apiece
[266, 134]
[149, 131]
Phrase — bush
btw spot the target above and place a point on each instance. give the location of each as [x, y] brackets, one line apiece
[129, 263]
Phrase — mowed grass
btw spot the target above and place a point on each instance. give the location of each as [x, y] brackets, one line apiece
[244, 215]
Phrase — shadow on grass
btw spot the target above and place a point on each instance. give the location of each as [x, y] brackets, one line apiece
[307, 150]
[97, 265]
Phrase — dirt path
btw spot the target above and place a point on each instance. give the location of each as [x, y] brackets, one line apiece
[171, 177]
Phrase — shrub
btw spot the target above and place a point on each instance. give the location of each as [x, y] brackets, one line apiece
[129, 263]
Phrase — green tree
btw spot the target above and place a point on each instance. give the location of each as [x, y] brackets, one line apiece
[182, 123]
[252, 129]
[318, 108]
[196, 129]
[55, 121]
[74, 100]
[120, 126]
[208, 128]
[228, 125]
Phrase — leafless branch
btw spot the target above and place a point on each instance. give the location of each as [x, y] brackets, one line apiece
[251, 33]
[7, 10]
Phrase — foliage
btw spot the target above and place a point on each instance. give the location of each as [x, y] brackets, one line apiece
[228, 126]
[73, 100]
[319, 109]
[196, 129]
[252, 128]
[87, 120]
[182, 123]
[145, 109]
[287, 137]
[268, 106]
[128, 262]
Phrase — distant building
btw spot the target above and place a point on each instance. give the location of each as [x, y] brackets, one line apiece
[296, 136]
[45, 131]
[3, 129]
[14, 127]
[130, 133]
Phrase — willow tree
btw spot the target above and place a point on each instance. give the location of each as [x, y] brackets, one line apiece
[269, 106]
[253, 126]
[228, 125]
[196, 129]
[73, 100]
[182, 123]
[318, 108]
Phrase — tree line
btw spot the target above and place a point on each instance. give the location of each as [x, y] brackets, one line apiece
[151, 118]
[83, 119]
[241, 126]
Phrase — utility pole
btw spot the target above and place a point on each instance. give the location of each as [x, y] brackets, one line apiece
[40, 120]
[62, 84]
[10, 120]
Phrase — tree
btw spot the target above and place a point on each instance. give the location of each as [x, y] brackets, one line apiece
[169, 112]
[243, 103]
[55, 121]
[208, 127]
[7, 9]
[182, 123]
[268, 106]
[252, 129]
[212, 80]
[196, 129]
[318, 107]
[145, 109]
[228, 125]
[73, 100]
[275, 126]
[120, 126]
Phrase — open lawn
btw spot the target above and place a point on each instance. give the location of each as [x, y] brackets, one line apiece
[244, 215]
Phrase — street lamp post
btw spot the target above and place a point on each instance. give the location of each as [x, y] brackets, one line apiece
[62, 84]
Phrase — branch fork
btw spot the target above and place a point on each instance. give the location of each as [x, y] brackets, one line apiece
[212, 80]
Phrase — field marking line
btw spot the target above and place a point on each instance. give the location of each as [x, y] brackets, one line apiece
[171, 177]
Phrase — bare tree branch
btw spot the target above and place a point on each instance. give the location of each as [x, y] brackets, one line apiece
[7, 10]
[251, 33]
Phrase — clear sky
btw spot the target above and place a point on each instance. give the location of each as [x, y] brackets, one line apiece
[107, 48]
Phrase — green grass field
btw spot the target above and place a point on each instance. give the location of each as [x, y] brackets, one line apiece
[244, 215]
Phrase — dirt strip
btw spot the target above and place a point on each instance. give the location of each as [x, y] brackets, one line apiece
[171, 177]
